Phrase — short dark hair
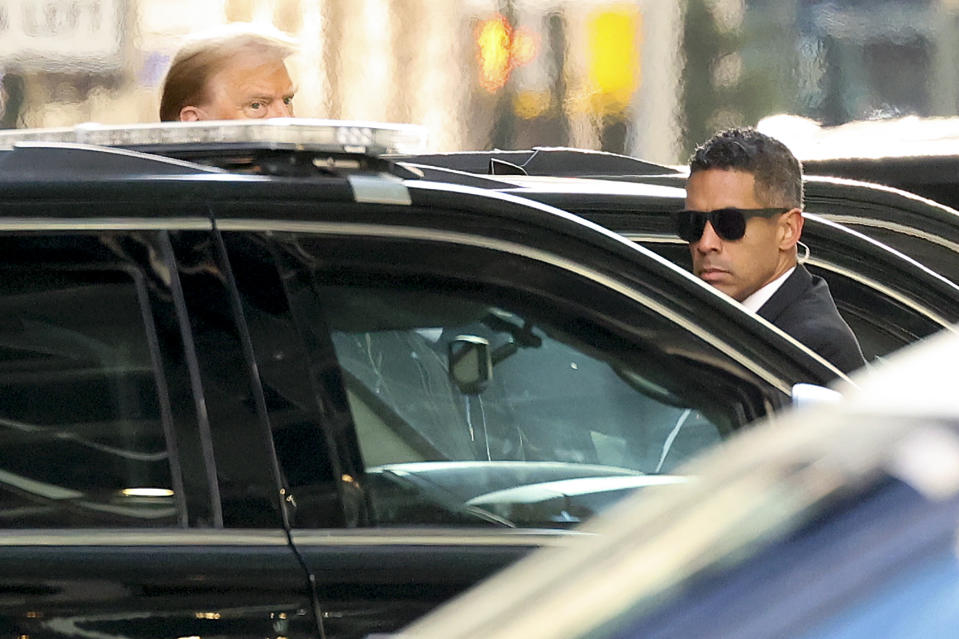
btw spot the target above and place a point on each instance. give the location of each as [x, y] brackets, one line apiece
[777, 172]
[206, 54]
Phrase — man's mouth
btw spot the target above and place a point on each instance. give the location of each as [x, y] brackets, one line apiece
[712, 274]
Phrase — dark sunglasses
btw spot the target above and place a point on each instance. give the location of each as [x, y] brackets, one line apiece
[729, 223]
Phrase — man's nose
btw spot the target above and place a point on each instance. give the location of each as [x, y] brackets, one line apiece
[709, 241]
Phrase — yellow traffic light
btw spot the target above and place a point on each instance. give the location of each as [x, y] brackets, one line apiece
[614, 69]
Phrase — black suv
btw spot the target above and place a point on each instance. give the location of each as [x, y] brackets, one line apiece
[280, 388]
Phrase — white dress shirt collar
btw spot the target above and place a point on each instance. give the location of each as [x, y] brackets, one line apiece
[755, 301]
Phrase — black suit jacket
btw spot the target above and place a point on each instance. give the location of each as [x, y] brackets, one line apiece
[804, 308]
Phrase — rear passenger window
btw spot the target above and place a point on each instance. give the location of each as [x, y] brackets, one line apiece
[81, 437]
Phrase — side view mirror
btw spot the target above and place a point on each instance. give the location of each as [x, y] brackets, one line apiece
[470, 364]
[813, 395]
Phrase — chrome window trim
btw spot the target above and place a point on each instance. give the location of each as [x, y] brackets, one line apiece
[113, 537]
[852, 220]
[223, 537]
[504, 246]
[433, 537]
[104, 224]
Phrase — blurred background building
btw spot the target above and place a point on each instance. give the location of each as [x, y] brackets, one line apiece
[645, 77]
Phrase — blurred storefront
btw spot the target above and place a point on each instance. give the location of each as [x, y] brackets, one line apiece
[833, 61]
[54, 54]
[479, 73]
[645, 77]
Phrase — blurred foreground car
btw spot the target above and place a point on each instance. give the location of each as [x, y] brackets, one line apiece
[888, 299]
[839, 522]
[258, 381]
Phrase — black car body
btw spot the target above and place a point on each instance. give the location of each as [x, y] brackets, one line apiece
[303, 396]
[930, 175]
[915, 154]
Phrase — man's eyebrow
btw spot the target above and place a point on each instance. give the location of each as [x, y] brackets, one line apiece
[260, 97]
[264, 95]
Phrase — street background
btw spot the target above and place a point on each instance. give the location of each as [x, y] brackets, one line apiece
[649, 78]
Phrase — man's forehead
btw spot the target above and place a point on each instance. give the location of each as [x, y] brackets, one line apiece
[730, 172]
[717, 188]
[725, 179]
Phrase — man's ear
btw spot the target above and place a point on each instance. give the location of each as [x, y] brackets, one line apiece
[790, 229]
[190, 114]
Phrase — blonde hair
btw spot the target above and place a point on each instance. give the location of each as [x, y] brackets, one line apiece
[205, 54]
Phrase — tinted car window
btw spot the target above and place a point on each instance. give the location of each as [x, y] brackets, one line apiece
[549, 398]
[571, 418]
[83, 440]
[553, 414]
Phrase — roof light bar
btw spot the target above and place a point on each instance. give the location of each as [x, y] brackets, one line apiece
[335, 136]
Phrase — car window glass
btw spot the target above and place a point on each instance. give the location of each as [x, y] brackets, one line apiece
[545, 399]
[536, 412]
[80, 409]
[567, 395]
[545, 413]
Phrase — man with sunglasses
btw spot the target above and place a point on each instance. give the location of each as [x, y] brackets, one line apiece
[743, 220]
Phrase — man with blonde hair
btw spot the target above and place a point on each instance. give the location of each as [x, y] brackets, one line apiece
[236, 72]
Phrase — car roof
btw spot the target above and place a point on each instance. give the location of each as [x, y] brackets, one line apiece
[914, 209]
[571, 163]
[555, 161]
[616, 207]
[902, 421]
[573, 184]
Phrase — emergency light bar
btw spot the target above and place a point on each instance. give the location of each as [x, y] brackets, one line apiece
[301, 134]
